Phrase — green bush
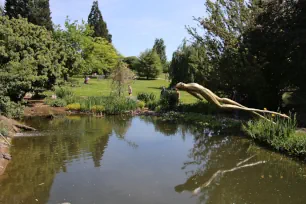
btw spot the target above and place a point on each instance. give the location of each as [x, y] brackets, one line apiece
[74, 107]
[169, 100]
[98, 109]
[199, 107]
[10, 108]
[152, 105]
[141, 104]
[146, 97]
[282, 135]
[56, 102]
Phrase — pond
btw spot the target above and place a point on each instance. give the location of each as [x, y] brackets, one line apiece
[81, 159]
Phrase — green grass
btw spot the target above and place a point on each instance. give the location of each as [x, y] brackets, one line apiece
[102, 88]
[281, 136]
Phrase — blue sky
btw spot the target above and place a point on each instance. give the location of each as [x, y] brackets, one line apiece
[135, 24]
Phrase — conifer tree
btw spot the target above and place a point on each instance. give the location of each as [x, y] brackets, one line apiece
[95, 20]
[36, 11]
[160, 48]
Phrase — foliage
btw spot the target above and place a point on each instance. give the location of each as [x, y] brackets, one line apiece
[282, 135]
[133, 62]
[37, 12]
[152, 105]
[65, 94]
[30, 60]
[56, 102]
[169, 100]
[199, 107]
[121, 77]
[102, 57]
[95, 20]
[119, 105]
[146, 97]
[10, 108]
[98, 109]
[74, 107]
[150, 65]
[1, 11]
[190, 64]
[141, 104]
[160, 48]
[85, 54]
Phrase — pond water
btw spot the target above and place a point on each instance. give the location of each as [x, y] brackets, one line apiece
[80, 159]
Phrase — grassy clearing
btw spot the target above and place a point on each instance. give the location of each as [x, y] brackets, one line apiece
[102, 88]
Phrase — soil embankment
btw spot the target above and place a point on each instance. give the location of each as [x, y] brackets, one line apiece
[11, 128]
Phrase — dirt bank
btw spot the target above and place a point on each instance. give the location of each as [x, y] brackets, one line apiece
[9, 128]
[38, 108]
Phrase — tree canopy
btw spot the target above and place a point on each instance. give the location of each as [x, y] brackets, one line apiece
[150, 66]
[37, 12]
[99, 26]
[160, 48]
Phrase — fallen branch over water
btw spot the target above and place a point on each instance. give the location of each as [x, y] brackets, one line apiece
[222, 172]
[5, 140]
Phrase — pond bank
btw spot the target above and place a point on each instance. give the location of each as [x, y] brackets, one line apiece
[9, 128]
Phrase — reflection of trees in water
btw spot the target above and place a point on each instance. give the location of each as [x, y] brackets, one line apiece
[166, 128]
[120, 125]
[249, 185]
[36, 160]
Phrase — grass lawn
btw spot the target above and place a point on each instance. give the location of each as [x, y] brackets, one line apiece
[102, 88]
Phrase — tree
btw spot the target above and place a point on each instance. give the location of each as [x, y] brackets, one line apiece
[30, 60]
[150, 65]
[133, 62]
[223, 40]
[121, 76]
[99, 26]
[41, 14]
[85, 54]
[190, 64]
[160, 48]
[1, 10]
[37, 12]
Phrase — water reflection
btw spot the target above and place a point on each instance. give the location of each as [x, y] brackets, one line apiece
[143, 160]
[279, 180]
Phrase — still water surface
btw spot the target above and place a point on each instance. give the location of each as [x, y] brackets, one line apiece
[142, 160]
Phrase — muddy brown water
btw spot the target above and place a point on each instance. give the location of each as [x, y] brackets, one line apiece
[81, 159]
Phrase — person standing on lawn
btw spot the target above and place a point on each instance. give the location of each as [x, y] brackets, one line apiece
[130, 90]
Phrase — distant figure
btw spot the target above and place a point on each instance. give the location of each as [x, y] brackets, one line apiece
[54, 96]
[86, 80]
[130, 90]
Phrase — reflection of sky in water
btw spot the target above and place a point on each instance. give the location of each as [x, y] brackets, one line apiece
[142, 160]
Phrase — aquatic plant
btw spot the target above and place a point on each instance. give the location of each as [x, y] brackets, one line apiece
[282, 135]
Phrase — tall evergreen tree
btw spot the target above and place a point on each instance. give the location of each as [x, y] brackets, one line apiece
[13, 8]
[95, 20]
[40, 13]
[36, 11]
[160, 48]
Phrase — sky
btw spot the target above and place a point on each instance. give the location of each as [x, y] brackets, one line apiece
[135, 24]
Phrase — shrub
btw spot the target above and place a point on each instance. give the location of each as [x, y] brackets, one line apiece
[169, 100]
[282, 135]
[118, 105]
[152, 105]
[98, 109]
[56, 102]
[146, 97]
[140, 104]
[74, 107]
[65, 94]
[10, 108]
[199, 107]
